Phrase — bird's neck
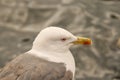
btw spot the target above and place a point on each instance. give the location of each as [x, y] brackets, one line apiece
[50, 48]
[64, 57]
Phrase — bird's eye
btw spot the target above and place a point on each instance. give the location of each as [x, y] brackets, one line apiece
[63, 39]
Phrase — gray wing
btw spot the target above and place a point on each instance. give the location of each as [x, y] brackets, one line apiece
[28, 67]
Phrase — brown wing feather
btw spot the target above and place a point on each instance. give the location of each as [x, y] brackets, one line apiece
[28, 67]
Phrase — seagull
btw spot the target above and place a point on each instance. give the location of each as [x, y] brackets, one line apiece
[48, 59]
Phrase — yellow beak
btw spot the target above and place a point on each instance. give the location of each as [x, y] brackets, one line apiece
[83, 40]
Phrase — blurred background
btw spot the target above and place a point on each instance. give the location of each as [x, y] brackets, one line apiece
[21, 20]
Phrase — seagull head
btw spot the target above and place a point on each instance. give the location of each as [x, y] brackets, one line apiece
[57, 39]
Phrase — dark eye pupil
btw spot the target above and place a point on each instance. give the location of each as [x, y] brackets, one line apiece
[63, 39]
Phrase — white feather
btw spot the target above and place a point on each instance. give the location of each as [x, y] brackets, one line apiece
[48, 45]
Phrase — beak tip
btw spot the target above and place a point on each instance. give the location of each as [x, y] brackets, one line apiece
[88, 42]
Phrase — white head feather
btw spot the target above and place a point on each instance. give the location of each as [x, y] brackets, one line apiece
[53, 44]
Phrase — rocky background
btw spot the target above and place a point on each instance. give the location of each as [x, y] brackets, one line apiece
[21, 20]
